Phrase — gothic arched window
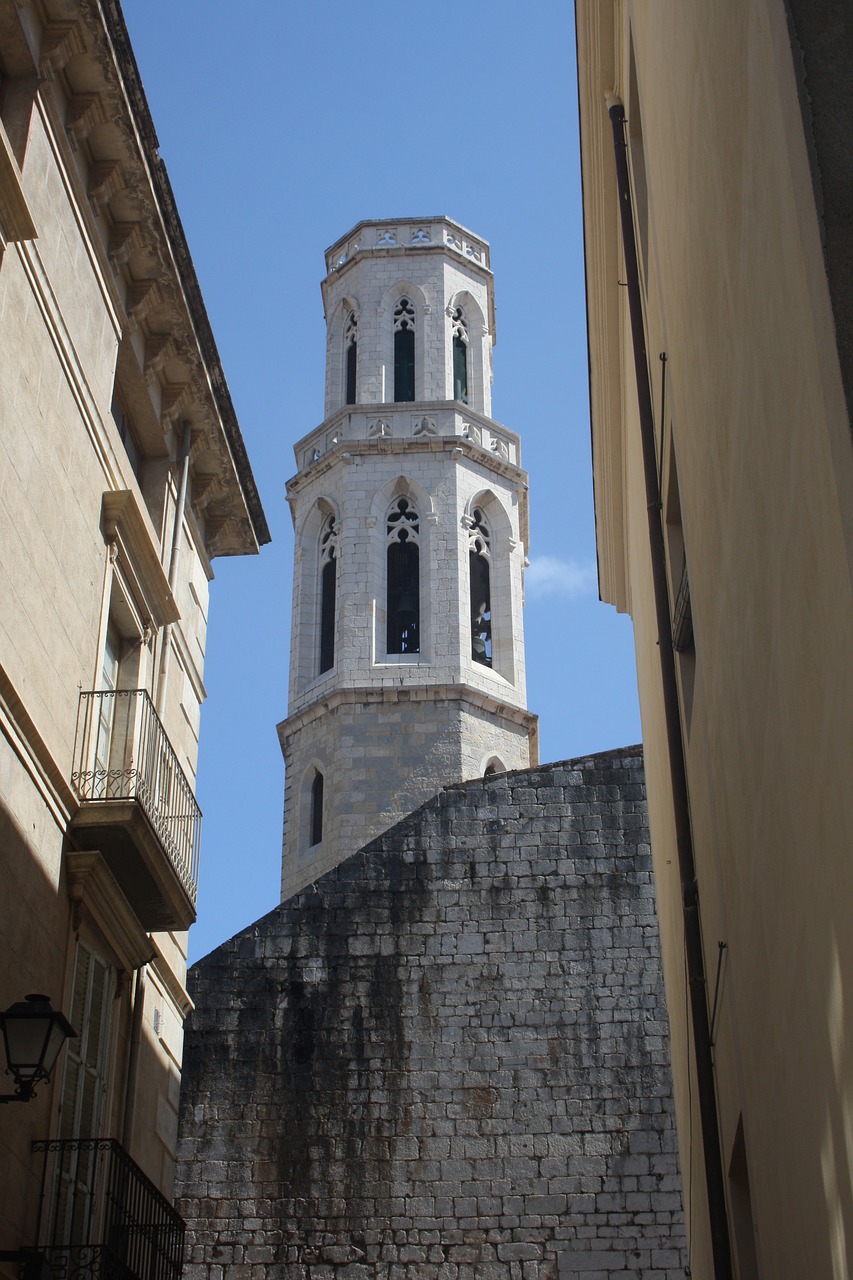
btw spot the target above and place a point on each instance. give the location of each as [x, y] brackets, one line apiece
[404, 351]
[328, 588]
[403, 596]
[351, 356]
[460, 356]
[479, 557]
[317, 809]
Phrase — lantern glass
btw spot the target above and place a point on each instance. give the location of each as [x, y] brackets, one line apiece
[33, 1032]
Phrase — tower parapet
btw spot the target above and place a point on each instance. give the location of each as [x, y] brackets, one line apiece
[410, 511]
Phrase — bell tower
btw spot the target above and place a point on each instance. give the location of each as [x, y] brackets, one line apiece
[410, 514]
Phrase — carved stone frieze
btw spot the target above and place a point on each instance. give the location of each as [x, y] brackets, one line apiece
[85, 110]
[105, 179]
[59, 42]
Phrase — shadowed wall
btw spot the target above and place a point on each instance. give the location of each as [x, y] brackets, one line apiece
[448, 1058]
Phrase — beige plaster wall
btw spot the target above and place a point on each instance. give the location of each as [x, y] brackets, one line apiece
[61, 323]
[735, 294]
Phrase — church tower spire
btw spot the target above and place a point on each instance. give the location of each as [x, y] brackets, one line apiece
[410, 511]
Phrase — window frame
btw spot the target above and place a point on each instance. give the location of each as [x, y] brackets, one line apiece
[405, 351]
[402, 531]
[328, 591]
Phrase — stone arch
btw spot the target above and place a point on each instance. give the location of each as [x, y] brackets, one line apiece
[307, 594]
[335, 365]
[400, 485]
[383, 501]
[348, 331]
[490, 765]
[323, 506]
[402, 289]
[478, 341]
[500, 551]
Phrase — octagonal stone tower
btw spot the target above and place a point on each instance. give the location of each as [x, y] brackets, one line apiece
[410, 511]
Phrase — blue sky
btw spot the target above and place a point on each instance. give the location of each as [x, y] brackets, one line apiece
[282, 125]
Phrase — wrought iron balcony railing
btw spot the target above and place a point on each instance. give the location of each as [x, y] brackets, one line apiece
[102, 1218]
[122, 753]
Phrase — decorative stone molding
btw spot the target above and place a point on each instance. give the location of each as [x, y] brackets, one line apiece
[85, 110]
[159, 347]
[428, 235]
[205, 490]
[96, 896]
[142, 296]
[371, 695]
[129, 528]
[125, 238]
[59, 42]
[16, 220]
[174, 400]
[105, 179]
[125, 158]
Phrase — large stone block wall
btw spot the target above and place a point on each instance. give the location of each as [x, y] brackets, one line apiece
[447, 1059]
[394, 749]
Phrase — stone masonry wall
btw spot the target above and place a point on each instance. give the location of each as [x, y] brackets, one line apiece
[448, 1059]
[394, 754]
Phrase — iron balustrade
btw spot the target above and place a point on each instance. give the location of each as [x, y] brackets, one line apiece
[122, 752]
[102, 1218]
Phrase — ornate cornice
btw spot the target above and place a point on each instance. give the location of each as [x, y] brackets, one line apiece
[96, 99]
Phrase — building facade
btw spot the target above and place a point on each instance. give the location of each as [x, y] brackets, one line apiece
[410, 510]
[444, 1056]
[122, 475]
[717, 214]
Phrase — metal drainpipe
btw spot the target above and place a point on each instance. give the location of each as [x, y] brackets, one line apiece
[174, 559]
[697, 985]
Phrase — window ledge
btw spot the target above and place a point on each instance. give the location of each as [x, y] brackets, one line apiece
[125, 523]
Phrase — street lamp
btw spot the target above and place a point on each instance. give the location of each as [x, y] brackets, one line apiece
[33, 1034]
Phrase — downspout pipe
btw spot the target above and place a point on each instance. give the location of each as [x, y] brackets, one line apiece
[696, 980]
[174, 561]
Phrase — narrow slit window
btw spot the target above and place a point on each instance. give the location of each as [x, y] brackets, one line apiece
[404, 351]
[328, 591]
[351, 345]
[403, 600]
[479, 558]
[460, 356]
[317, 809]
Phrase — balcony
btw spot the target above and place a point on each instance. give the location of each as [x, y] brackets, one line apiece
[136, 806]
[101, 1217]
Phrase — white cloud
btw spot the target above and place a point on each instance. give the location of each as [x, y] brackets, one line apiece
[547, 575]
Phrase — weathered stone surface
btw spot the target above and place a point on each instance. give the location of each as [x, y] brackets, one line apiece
[448, 1057]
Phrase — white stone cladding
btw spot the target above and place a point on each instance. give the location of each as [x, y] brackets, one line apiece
[387, 730]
